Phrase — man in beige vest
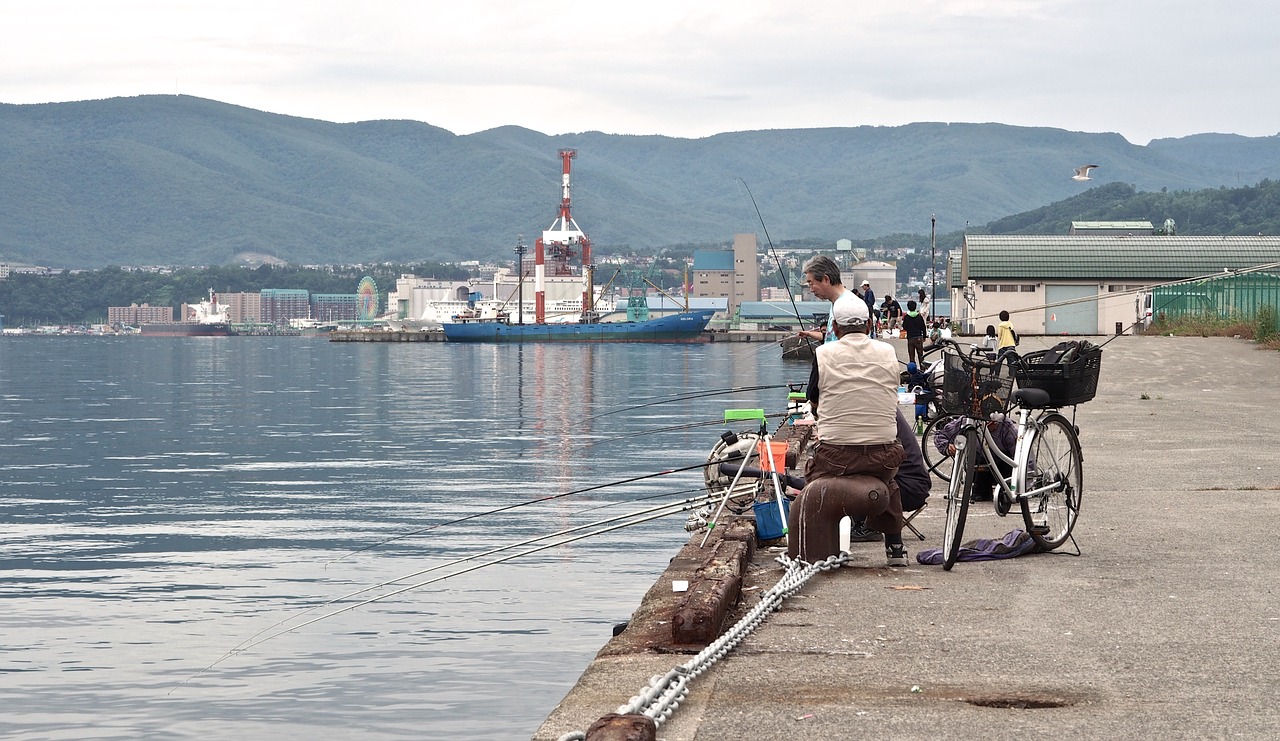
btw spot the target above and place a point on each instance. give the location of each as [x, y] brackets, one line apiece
[854, 397]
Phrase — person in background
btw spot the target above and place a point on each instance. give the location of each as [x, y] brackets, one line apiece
[989, 341]
[853, 394]
[822, 277]
[892, 310]
[913, 323]
[869, 296]
[1008, 338]
[935, 331]
[922, 301]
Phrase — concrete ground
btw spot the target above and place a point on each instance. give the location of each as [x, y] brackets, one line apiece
[1167, 625]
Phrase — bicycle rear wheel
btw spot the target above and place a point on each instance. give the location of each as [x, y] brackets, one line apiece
[939, 464]
[958, 496]
[1055, 460]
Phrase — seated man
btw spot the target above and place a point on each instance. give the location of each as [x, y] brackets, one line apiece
[853, 394]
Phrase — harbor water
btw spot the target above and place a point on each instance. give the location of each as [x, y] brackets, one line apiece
[164, 501]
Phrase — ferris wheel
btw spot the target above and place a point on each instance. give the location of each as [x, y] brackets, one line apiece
[367, 299]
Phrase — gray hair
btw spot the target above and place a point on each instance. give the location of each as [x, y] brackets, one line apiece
[820, 266]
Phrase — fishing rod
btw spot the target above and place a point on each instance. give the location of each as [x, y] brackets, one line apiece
[257, 641]
[514, 506]
[777, 261]
[680, 506]
[673, 428]
[690, 397]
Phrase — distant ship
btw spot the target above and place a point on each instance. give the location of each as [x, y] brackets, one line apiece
[205, 319]
[687, 326]
[562, 242]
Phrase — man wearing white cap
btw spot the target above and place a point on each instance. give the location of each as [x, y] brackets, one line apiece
[853, 393]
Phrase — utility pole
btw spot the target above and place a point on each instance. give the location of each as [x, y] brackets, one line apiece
[520, 250]
[933, 264]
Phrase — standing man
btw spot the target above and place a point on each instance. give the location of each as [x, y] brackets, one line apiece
[869, 296]
[853, 393]
[822, 276]
[913, 323]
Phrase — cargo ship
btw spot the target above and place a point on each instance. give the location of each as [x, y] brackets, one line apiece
[686, 326]
[205, 319]
[563, 242]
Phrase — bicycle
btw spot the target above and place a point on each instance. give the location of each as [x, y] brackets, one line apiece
[935, 461]
[1046, 478]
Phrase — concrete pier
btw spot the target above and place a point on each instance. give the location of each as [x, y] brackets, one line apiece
[1166, 625]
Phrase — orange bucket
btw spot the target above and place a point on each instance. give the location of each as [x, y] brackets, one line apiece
[773, 457]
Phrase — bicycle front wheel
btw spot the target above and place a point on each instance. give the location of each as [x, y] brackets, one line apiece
[1054, 464]
[958, 496]
[939, 464]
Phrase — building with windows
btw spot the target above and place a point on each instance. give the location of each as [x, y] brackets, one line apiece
[279, 305]
[335, 307]
[730, 274]
[242, 308]
[134, 315]
[1090, 284]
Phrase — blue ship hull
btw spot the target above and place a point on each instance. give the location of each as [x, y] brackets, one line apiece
[683, 327]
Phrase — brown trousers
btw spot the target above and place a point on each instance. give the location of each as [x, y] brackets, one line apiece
[844, 480]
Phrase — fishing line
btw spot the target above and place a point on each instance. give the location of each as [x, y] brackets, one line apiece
[682, 506]
[673, 428]
[689, 397]
[653, 513]
[514, 506]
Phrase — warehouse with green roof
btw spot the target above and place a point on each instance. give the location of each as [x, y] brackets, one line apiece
[1085, 283]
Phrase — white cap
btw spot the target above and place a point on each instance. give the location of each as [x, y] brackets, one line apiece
[866, 282]
[849, 309]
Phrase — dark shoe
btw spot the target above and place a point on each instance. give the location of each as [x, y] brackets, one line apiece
[896, 554]
[982, 496]
[859, 533]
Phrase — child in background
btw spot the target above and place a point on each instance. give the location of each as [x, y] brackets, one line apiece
[989, 341]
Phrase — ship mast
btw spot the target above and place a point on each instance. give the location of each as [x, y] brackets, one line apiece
[561, 241]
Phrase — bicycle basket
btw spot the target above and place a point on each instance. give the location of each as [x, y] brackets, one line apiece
[1073, 381]
[975, 388]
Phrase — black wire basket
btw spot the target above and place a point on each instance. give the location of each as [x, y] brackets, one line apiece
[978, 388]
[1068, 372]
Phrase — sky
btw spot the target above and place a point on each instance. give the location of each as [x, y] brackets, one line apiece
[685, 68]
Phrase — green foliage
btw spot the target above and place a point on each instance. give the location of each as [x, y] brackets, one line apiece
[1266, 323]
[1221, 211]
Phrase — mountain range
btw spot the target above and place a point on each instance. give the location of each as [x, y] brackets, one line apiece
[178, 180]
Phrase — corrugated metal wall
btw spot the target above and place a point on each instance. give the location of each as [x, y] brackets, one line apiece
[1231, 296]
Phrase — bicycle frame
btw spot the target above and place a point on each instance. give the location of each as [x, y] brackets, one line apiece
[1027, 427]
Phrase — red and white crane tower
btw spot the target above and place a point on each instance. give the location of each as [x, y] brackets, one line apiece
[562, 240]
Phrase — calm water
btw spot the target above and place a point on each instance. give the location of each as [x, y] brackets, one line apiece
[163, 500]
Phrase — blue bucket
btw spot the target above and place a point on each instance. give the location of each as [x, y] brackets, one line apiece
[768, 525]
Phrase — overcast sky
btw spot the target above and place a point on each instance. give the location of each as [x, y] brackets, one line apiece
[686, 68]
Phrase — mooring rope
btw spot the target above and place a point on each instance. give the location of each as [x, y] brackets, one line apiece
[664, 694]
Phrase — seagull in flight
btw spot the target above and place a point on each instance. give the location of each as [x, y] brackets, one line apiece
[1082, 173]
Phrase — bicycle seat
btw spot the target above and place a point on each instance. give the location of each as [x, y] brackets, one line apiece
[1032, 398]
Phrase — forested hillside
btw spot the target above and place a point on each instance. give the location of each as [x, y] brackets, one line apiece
[176, 180]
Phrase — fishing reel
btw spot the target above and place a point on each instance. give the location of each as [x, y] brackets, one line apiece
[732, 448]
